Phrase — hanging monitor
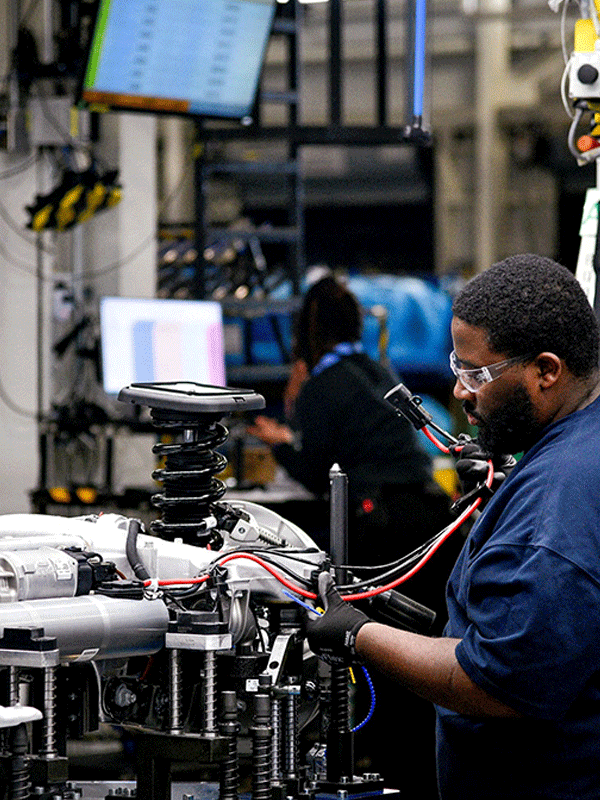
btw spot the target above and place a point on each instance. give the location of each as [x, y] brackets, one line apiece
[178, 56]
[150, 341]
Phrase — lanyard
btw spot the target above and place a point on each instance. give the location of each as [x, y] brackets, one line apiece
[335, 355]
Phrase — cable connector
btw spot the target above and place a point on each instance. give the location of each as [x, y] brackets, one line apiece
[314, 575]
[408, 405]
[152, 590]
[482, 490]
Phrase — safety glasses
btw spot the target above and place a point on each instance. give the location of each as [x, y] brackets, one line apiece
[474, 379]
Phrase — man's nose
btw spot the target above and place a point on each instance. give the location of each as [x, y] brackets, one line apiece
[461, 392]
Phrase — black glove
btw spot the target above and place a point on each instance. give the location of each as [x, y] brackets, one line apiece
[472, 467]
[332, 635]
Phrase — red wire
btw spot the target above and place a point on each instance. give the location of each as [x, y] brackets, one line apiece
[269, 568]
[436, 441]
[178, 581]
[362, 595]
[231, 557]
[458, 522]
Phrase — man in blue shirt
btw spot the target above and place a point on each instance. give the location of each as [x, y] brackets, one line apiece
[516, 677]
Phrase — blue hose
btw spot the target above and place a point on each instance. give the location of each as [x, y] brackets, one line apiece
[372, 708]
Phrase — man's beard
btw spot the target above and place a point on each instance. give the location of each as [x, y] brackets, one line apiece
[511, 428]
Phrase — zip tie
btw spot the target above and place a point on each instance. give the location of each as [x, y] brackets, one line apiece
[152, 590]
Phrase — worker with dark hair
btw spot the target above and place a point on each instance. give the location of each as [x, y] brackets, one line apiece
[515, 677]
[341, 417]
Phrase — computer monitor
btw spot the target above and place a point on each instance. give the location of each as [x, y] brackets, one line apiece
[150, 340]
[177, 56]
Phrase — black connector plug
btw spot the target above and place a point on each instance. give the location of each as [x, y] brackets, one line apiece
[408, 405]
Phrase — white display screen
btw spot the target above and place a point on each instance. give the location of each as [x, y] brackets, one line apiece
[150, 341]
[199, 57]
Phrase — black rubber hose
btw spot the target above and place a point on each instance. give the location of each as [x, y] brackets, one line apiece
[139, 570]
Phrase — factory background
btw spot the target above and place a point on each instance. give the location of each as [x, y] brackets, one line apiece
[497, 178]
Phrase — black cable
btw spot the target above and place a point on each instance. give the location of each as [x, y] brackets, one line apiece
[286, 570]
[382, 578]
[399, 562]
[175, 599]
[128, 590]
[265, 552]
[139, 570]
[401, 566]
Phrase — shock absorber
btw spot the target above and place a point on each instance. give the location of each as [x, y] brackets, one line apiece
[189, 414]
[188, 474]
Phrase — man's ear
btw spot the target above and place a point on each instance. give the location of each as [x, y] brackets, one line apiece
[549, 369]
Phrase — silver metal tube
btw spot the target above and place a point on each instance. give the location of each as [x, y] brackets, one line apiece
[93, 627]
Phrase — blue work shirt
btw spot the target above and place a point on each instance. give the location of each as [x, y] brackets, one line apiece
[524, 599]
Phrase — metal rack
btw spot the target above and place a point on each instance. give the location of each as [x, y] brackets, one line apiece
[288, 232]
[286, 25]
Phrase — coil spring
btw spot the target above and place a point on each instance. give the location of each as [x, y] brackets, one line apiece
[340, 695]
[277, 739]
[209, 694]
[48, 747]
[229, 729]
[20, 784]
[261, 774]
[261, 748]
[175, 691]
[229, 771]
[13, 686]
[188, 474]
[291, 746]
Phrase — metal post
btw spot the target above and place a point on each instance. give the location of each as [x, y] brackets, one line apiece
[335, 61]
[382, 95]
[338, 532]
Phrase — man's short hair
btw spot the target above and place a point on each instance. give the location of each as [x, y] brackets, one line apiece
[528, 303]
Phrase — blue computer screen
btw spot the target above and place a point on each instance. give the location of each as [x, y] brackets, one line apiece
[178, 56]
